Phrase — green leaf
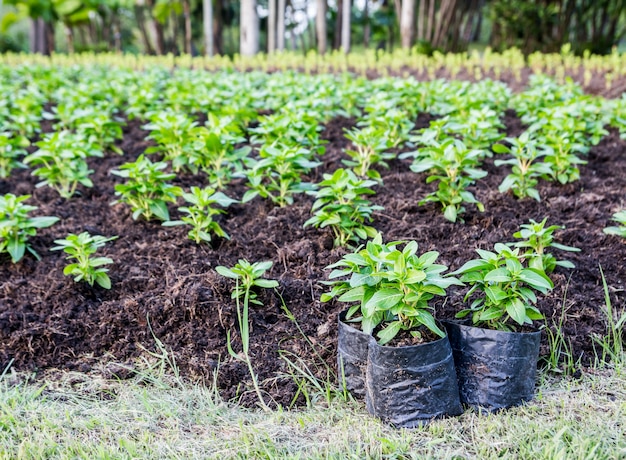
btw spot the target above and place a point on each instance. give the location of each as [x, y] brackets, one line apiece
[499, 275]
[414, 276]
[226, 272]
[499, 148]
[384, 299]
[265, 283]
[450, 213]
[103, 280]
[428, 320]
[353, 295]
[516, 310]
[389, 332]
[536, 279]
[16, 249]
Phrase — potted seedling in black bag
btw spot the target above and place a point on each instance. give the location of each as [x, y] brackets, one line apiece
[410, 377]
[496, 355]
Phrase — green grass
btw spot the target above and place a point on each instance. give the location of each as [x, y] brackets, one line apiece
[155, 415]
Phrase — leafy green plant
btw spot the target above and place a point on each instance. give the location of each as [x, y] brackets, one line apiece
[101, 131]
[214, 152]
[80, 248]
[536, 238]
[525, 168]
[247, 276]
[455, 167]
[200, 213]
[505, 288]
[289, 128]
[390, 288]
[12, 149]
[340, 205]
[619, 230]
[277, 175]
[559, 155]
[16, 226]
[370, 144]
[173, 132]
[383, 114]
[146, 189]
[62, 162]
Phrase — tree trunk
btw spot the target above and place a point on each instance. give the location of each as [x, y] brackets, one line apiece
[141, 23]
[158, 30]
[218, 29]
[420, 20]
[366, 25]
[345, 26]
[271, 26]
[407, 22]
[320, 25]
[38, 36]
[187, 17]
[49, 29]
[249, 29]
[117, 33]
[338, 21]
[280, 26]
[69, 35]
[430, 24]
[207, 24]
[397, 4]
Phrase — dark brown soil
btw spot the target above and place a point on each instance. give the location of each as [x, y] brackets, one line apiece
[164, 286]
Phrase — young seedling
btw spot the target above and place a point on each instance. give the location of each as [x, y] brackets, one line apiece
[455, 167]
[214, 153]
[174, 134]
[526, 170]
[16, 227]
[146, 189]
[247, 276]
[340, 205]
[536, 238]
[101, 130]
[62, 162]
[278, 173]
[370, 144]
[505, 288]
[620, 230]
[12, 149]
[200, 213]
[80, 248]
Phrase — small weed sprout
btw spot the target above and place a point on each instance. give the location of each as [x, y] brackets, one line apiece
[246, 276]
[80, 248]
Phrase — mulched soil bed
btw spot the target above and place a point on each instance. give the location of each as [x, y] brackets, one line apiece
[165, 286]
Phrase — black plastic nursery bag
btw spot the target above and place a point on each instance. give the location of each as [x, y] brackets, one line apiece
[496, 369]
[409, 386]
[351, 356]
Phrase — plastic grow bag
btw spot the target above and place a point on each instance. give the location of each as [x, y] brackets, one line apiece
[351, 356]
[409, 386]
[496, 369]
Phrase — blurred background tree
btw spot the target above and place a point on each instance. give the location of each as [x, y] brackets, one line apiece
[250, 26]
